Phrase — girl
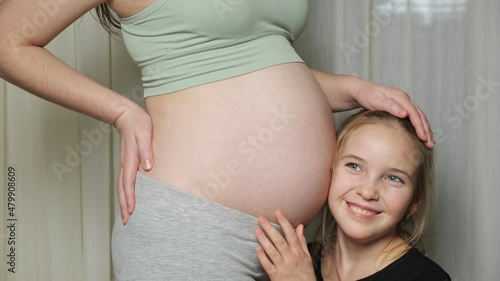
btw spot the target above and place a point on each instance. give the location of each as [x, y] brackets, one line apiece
[378, 206]
[234, 110]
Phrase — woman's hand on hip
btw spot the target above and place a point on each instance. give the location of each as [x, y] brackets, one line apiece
[284, 258]
[136, 131]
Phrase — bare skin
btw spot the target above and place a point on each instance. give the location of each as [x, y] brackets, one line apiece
[280, 138]
[290, 172]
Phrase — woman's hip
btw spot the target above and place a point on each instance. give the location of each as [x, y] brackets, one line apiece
[173, 235]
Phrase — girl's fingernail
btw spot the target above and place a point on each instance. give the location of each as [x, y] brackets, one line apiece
[279, 213]
[147, 164]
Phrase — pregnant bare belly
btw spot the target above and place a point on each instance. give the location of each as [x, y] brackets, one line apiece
[256, 143]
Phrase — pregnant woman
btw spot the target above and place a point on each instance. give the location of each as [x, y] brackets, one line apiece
[238, 125]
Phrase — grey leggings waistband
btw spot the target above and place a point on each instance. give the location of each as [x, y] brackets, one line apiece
[173, 235]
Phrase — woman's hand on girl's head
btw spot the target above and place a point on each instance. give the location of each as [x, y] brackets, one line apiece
[374, 96]
[345, 92]
[135, 129]
[284, 258]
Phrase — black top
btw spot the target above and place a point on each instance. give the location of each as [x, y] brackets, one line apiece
[412, 266]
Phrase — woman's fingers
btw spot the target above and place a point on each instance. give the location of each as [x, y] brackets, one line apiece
[398, 103]
[144, 139]
[130, 163]
[121, 197]
[126, 185]
[135, 129]
[428, 131]
[415, 114]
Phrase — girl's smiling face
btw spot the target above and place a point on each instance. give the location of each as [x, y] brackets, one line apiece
[373, 183]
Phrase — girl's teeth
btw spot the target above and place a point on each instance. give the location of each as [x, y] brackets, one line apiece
[360, 211]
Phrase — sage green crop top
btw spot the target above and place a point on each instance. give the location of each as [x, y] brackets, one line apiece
[179, 44]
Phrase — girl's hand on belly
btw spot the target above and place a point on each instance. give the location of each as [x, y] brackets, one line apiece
[135, 129]
[289, 258]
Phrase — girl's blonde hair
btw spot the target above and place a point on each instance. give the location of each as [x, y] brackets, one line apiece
[412, 227]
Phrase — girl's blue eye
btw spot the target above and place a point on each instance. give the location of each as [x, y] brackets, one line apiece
[395, 179]
[353, 166]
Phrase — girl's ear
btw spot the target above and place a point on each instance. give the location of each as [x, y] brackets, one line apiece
[412, 208]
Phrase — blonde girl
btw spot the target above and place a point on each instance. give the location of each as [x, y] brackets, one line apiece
[377, 212]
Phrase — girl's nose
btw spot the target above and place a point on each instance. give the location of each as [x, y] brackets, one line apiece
[368, 190]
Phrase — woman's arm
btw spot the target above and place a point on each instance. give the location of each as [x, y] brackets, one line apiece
[345, 92]
[29, 25]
